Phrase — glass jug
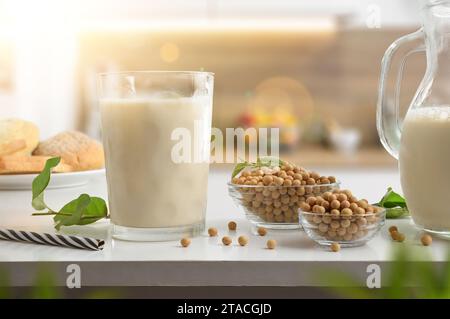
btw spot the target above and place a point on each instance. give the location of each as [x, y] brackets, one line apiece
[421, 142]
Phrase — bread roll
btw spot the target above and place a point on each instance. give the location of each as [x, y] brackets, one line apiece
[18, 137]
[26, 164]
[76, 150]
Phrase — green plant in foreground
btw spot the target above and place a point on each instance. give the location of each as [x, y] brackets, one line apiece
[4, 284]
[404, 279]
[80, 211]
[45, 287]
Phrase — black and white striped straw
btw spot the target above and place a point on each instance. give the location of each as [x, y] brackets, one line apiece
[52, 239]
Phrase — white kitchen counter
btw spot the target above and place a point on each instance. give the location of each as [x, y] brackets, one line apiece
[206, 261]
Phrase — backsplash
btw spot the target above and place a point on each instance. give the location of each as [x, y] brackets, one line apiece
[328, 75]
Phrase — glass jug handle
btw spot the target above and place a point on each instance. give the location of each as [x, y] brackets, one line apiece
[388, 124]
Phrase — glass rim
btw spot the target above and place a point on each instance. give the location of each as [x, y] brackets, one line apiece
[382, 211]
[337, 183]
[434, 3]
[103, 74]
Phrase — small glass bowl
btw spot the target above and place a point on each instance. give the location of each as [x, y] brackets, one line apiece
[275, 207]
[348, 231]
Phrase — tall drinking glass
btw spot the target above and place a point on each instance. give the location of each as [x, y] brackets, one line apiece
[156, 132]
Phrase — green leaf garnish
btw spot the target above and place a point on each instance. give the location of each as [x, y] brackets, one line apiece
[80, 211]
[264, 161]
[239, 168]
[394, 203]
[72, 214]
[392, 213]
[392, 199]
[40, 183]
[270, 161]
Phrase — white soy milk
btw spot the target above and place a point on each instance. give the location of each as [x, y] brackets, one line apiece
[425, 166]
[146, 188]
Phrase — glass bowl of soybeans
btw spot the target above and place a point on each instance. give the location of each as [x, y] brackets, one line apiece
[271, 198]
[339, 217]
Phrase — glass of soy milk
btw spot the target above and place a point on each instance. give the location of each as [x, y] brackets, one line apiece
[156, 132]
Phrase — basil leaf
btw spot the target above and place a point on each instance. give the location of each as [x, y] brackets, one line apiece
[392, 199]
[71, 213]
[96, 210]
[264, 161]
[81, 211]
[40, 183]
[239, 168]
[394, 203]
[269, 161]
[392, 213]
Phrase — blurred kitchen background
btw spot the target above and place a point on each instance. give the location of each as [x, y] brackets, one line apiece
[309, 67]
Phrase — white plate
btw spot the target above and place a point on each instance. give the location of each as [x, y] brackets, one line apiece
[58, 180]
